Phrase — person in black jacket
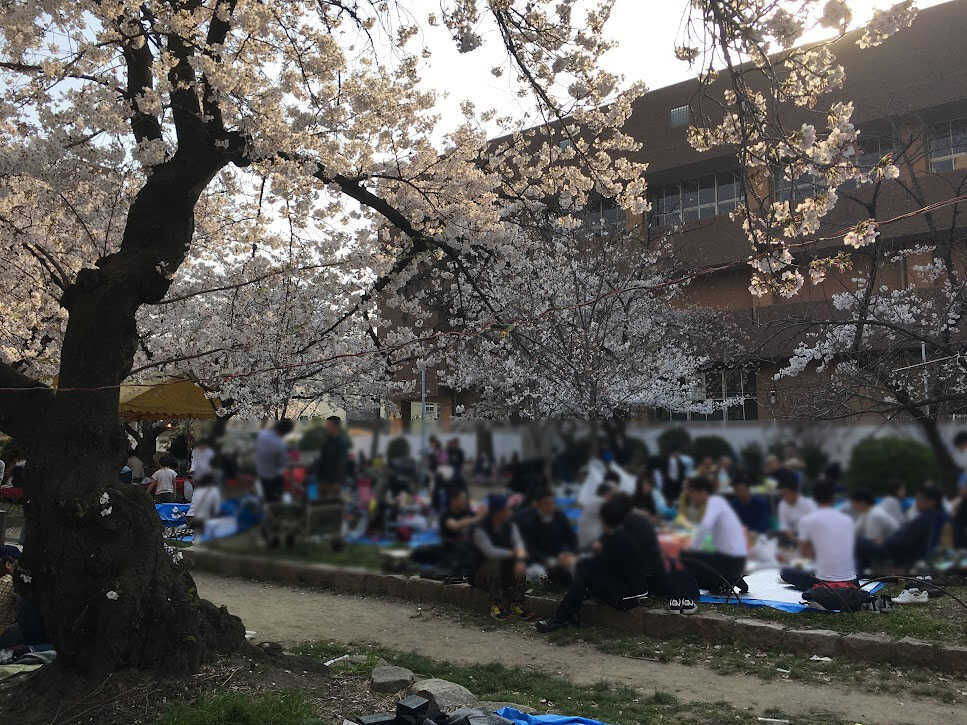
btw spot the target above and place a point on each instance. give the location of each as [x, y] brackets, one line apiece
[551, 542]
[625, 560]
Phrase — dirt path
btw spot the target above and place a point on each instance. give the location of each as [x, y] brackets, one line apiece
[291, 615]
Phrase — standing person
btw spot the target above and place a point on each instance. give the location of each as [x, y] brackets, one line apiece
[333, 458]
[202, 456]
[136, 465]
[456, 457]
[829, 537]
[716, 557]
[550, 541]
[793, 506]
[179, 451]
[678, 469]
[501, 560]
[270, 459]
[163, 481]
[620, 569]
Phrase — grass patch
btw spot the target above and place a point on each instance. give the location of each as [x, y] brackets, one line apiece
[287, 708]
[354, 555]
[543, 692]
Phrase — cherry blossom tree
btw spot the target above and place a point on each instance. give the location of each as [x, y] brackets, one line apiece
[135, 132]
[139, 135]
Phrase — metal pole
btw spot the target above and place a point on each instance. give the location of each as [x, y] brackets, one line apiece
[423, 424]
[923, 357]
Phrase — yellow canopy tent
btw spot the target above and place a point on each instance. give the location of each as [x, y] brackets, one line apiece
[176, 399]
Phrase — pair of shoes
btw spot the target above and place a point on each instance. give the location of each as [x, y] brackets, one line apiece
[682, 606]
[499, 613]
[912, 596]
[550, 625]
[521, 612]
[880, 604]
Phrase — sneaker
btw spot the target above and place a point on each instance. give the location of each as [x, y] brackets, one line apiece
[687, 606]
[550, 625]
[881, 604]
[675, 606]
[519, 611]
[911, 596]
[499, 613]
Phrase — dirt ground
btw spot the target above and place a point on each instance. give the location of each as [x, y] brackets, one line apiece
[292, 615]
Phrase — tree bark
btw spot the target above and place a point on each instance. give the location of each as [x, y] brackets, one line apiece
[95, 563]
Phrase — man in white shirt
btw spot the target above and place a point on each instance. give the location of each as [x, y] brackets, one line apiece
[202, 456]
[793, 506]
[872, 522]
[716, 558]
[829, 537]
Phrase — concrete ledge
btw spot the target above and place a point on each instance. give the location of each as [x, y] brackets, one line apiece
[711, 626]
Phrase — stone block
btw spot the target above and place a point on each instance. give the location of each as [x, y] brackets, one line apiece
[756, 633]
[663, 624]
[866, 647]
[712, 627]
[915, 652]
[953, 658]
[388, 678]
[808, 642]
[446, 695]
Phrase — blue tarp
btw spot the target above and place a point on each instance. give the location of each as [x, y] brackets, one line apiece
[172, 514]
[519, 718]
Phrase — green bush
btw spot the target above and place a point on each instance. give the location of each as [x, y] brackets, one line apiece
[815, 459]
[312, 439]
[636, 451]
[752, 457]
[398, 448]
[673, 439]
[875, 461]
[714, 446]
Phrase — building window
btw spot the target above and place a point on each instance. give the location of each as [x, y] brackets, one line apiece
[795, 190]
[947, 145]
[718, 385]
[432, 410]
[602, 215]
[678, 116]
[871, 150]
[702, 198]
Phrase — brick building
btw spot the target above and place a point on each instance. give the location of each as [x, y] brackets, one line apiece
[910, 93]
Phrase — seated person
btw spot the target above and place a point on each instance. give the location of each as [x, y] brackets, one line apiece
[647, 498]
[829, 537]
[913, 541]
[206, 502]
[8, 597]
[752, 509]
[456, 532]
[501, 560]
[895, 501]
[550, 541]
[793, 506]
[716, 558]
[624, 561]
[589, 525]
[872, 521]
[28, 629]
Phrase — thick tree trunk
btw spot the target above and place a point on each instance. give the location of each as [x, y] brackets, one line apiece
[95, 564]
[949, 471]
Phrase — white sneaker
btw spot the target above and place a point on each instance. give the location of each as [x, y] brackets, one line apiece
[911, 596]
[675, 606]
[688, 606]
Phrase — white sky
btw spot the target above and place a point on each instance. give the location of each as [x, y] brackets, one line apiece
[645, 30]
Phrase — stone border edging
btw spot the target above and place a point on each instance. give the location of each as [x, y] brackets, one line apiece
[714, 627]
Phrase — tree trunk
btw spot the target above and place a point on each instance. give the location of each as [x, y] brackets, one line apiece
[949, 472]
[95, 563]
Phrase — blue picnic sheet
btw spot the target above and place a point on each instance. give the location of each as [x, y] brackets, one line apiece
[766, 591]
[519, 718]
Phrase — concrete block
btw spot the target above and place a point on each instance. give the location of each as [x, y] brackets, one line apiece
[808, 642]
[756, 633]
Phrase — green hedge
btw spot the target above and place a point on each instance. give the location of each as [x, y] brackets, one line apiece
[714, 446]
[875, 461]
[674, 439]
[398, 448]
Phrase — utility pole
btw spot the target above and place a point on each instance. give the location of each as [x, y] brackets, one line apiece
[422, 425]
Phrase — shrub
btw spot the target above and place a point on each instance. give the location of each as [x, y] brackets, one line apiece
[714, 446]
[673, 439]
[635, 452]
[398, 448]
[752, 457]
[815, 459]
[875, 461]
